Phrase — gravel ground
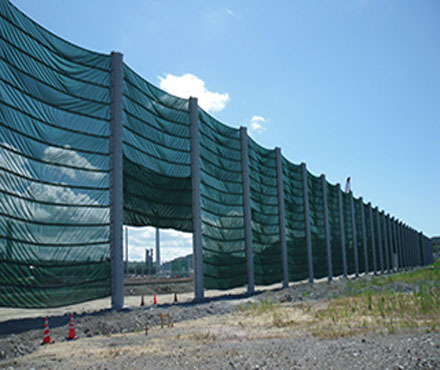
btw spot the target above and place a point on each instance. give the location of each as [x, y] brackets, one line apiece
[207, 335]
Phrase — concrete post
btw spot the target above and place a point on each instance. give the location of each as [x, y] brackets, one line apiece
[196, 200]
[126, 250]
[364, 236]
[307, 221]
[379, 234]
[342, 227]
[327, 229]
[373, 238]
[282, 217]
[355, 243]
[386, 244]
[116, 192]
[157, 250]
[247, 210]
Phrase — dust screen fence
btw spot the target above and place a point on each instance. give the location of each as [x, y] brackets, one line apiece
[55, 188]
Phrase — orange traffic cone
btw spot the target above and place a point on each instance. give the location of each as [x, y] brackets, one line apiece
[175, 297]
[154, 299]
[46, 333]
[142, 301]
[71, 329]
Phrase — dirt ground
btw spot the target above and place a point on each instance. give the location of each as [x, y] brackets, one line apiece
[233, 331]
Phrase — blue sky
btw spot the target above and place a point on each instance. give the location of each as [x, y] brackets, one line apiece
[352, 88]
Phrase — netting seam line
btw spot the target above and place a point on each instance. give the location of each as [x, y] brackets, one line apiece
[209, 199]
[255, 200]
[151, 185]
[221, 215]
[142, 167]
[229, 240]
[150, 111]
[61, 72]
[64, 286]
[19, 70]
[237, 254]
[135, 133]
[204, 136]
[154, 157]
[147, 199]
[204, 183]
[51, 124]
[52, 184]
[136, 212]
[205, 168]
[261, 213]
[54, 244]
[153, 98]
[51, 144]
[54, 106]
[49, 163]
[54, 51]
[54, 204]
[50, 223]
[45, 265]
[228, 170]
[214, 153]
[228, 228]
[150, 125]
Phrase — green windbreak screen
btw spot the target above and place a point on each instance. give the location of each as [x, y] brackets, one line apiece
[54, 167]
[359, 233]
[349, 241]
[317, 226]
[377, 240]
[157, 165]
[335, 229]
[369, 240]
[295, 221]
[224, 261]
[265, 218]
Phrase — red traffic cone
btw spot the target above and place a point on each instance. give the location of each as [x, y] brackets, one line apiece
[154, 299]
[71, 329]
[46, 333]
[175, 297]
[142, 301]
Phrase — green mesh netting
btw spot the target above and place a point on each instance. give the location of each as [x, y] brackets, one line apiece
[359, 234]
[335, 229]
[378, 241]
[223, 240]
[348, 228]
[369, 240]
[317, 226]
[157, 165]
[265, 217]
[54, 167]
[295, 221]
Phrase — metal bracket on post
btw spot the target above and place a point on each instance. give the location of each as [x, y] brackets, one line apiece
[379, 238]
[373, 238]
[327, 229]
[116, 191]
[196, 200]
[364, 235]
[342, 227]
[307, 221]
[353, 228]
[282, 217]
[386, 246]
[247, 210]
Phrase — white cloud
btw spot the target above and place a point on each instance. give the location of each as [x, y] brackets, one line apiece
[189, 85]
[69, 157]
[256, 124]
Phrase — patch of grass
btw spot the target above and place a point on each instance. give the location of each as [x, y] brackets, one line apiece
[258, 308]
[392, 311]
